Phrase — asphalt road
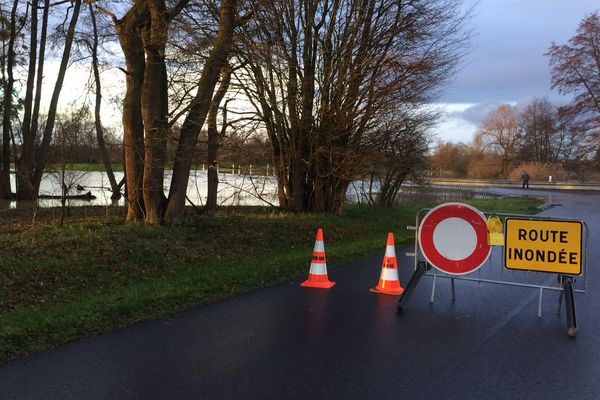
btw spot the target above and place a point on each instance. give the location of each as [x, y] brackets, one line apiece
[288, 342]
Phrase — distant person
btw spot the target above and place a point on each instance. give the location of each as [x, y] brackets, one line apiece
[525, 177]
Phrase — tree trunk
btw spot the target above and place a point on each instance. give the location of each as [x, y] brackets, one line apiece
[116, 193]
[40, 71]
[26, 163]
[42, 154]
[198, 112]
[274, 125]
[213, 142]
[133, 126]
[338, 196]
[155, 107]
[7, 107]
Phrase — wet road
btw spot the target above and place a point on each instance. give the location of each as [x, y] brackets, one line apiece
[288, 342]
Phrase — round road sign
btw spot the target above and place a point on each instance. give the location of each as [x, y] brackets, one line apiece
[453, 237]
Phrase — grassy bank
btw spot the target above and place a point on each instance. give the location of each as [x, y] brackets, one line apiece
[118, 167]
[95, 274]
[85, 167]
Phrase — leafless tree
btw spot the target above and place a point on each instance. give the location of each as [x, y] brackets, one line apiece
[576, 70]
[92, 45]
[450, 158]
[499, 134]
[143, 34]
[213, 140]
[321, 73]
[396, 153]
[540, 134]
[32, 162]
[10, 30]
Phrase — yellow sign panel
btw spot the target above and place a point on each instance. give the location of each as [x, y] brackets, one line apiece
[495, 236]
[544, 245]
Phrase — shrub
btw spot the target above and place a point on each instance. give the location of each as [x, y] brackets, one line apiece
[538, 171]
[488, 166]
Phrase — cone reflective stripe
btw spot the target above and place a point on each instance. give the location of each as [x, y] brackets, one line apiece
[389, 274]
[389, 260]
[389, 283]
[317, 276]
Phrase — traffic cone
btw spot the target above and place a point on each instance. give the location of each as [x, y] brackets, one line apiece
[389, 283]
[317, 276]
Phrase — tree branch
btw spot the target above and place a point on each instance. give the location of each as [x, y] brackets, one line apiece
[106, 12]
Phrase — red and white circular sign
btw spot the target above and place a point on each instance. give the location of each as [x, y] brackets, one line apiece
[453, 237]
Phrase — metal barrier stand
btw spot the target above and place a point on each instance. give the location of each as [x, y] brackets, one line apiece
[422, 267]
[565, 286]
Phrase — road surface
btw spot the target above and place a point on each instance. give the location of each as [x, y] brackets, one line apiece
[288, 342]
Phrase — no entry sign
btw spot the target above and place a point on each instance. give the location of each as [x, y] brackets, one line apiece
[453, 237]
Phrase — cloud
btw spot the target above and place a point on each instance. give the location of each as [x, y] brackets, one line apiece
[460, 121]
[507, 60]
[453, 125]
[476, 113]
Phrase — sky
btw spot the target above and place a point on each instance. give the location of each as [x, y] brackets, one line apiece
[506, 62]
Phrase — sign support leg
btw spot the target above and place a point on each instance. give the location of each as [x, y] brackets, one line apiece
[433, 288]
[540, 303]
[560, 296]
[453, 291]
[414, 280]
[570, 306]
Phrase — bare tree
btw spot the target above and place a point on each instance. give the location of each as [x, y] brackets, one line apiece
[214, 135]
[540, 137]
[321, 73]
[93, 47]
[577, 143]
[32, 163]
[199, 108]
[7, 103]
[498, 134]
[133, 127]
[396, 153]
[449, 158]
[73, 129]
[576, 70]
[143, 35]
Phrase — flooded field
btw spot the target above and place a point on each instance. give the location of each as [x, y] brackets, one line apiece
[234, 189]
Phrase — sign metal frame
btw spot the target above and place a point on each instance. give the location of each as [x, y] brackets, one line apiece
[566, 284]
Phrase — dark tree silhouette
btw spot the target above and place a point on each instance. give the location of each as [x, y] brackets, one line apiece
[576, 71]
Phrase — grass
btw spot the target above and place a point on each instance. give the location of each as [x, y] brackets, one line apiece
[95, 274]
[86, 167]
[515, 205]
[118, 167]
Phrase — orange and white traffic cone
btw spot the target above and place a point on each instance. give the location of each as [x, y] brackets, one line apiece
[317, 276]
[389, 283]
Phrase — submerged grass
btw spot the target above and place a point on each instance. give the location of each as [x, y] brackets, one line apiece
[95, 273]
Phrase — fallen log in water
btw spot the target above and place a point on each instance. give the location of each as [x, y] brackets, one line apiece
[85, 196]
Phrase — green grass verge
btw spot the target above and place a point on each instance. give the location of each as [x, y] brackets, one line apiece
[515, 205]
[95, 274]
[85, 167]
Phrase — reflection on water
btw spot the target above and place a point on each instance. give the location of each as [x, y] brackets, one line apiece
[419, 193]
[233, 189]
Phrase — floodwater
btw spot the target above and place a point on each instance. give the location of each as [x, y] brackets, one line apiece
[233, 189]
